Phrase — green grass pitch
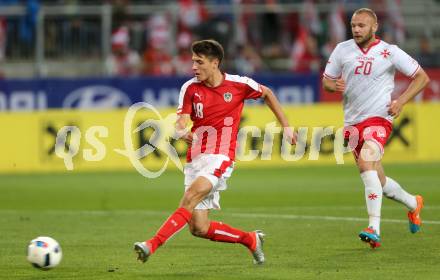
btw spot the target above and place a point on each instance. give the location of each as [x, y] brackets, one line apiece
[311, 216]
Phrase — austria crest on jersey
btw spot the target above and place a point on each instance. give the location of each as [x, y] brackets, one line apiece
[227, 96]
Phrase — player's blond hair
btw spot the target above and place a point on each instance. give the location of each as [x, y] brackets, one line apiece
[368, 11]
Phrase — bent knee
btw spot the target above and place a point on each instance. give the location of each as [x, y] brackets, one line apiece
[190, 200]
[198, 231]
[192, 197]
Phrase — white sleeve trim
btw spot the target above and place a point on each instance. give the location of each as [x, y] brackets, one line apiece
[331, 77]
[183, 92]
[415, 72]
[244, 80]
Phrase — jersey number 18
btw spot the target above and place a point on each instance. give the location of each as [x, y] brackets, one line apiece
[198, 108]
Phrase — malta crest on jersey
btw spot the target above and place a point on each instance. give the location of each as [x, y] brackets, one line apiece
[227, 96]
[385, 53]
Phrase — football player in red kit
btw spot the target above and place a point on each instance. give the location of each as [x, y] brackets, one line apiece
[213, 101]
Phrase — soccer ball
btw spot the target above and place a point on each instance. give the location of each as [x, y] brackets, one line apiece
[44, 252]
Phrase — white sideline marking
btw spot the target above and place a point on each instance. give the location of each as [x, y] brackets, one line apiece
[233, 214]
[344, 208]
[325, 218]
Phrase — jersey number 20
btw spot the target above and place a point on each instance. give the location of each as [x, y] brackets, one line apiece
[363, 68]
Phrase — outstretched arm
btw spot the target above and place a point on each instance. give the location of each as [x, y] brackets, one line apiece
[419, 82]
[275, 106]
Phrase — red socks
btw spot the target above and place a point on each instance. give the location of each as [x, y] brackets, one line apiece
[221, 232]
[217, 231]
[172, 225]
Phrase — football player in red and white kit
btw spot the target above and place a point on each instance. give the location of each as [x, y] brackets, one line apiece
[363, 70]
[213, 101]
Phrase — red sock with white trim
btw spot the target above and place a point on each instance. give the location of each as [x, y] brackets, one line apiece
[221, 232]
[171, 226]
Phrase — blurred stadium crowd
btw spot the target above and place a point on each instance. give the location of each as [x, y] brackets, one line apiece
[153, 37]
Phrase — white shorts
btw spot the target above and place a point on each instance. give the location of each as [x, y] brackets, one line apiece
[217, 169]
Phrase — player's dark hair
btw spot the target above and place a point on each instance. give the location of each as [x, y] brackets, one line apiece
[209, 48]
[368, 11]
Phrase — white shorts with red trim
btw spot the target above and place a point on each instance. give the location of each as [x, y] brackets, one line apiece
[217, 169]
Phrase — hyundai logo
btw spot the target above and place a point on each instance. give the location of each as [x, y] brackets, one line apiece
[96, 97]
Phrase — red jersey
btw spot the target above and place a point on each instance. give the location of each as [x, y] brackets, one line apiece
[216, 113]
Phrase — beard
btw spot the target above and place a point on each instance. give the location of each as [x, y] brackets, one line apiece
[364, 41]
